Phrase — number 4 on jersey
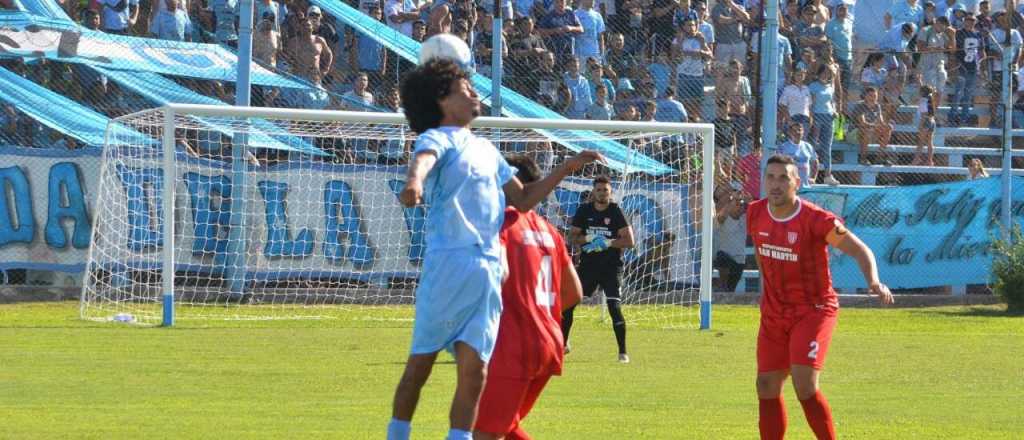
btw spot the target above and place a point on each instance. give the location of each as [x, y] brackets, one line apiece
[544, 293]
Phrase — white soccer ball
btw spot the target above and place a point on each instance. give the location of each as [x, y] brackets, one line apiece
[449, 47]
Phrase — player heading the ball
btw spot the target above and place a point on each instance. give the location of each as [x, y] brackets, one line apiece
[799, 308]
[466, 182]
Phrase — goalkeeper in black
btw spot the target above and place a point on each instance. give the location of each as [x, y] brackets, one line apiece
[601, 230]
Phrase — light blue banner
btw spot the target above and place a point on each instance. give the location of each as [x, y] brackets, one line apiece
[25, 35]
[62, 114]
[922, 236]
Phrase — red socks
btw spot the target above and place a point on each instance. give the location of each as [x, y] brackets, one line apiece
[773, 419]
[819, 416]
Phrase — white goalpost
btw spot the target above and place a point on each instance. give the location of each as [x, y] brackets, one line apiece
[309, 225]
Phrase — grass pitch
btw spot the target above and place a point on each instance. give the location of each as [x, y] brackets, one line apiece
[935, 373]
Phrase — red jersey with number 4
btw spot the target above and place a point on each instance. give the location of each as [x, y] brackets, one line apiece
[530, 334]
[794, 257]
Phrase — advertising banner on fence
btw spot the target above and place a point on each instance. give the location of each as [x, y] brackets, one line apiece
[330, 220]
[922, 236]
[309, 220]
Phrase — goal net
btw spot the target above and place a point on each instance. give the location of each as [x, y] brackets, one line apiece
[243, 213]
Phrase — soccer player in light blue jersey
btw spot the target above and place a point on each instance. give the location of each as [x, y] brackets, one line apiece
[466, 182]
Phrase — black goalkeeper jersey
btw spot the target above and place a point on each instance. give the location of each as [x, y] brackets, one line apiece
[606, 223]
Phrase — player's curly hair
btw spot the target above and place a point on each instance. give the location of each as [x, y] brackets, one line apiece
[527, 169]
[422, 90]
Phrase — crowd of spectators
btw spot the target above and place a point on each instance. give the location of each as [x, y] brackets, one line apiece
[660, 60]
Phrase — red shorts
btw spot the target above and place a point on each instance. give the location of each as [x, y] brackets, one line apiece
[505, 402]
[800, 339]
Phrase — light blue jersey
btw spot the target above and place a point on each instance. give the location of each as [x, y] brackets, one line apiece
[464, 191]
[459, 294]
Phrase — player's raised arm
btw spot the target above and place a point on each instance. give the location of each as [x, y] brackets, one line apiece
[844, 240]
[421, 164]
[526, 197]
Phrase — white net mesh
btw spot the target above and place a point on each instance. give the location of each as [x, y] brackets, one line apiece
[320, 231]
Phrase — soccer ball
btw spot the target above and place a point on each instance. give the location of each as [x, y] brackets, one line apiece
[449, 47]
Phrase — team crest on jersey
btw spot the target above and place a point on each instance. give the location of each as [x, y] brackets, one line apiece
[791, 237]
[607, 221]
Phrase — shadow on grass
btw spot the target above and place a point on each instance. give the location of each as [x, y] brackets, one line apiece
[980, 312]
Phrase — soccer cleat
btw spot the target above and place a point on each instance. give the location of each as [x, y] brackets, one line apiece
[623, 358]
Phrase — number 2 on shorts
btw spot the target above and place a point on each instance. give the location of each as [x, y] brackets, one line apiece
[813, 354]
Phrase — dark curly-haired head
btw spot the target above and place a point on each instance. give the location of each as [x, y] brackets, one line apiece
[422, 90]
[527, 170]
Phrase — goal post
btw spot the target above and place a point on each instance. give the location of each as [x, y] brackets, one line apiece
[324, 234]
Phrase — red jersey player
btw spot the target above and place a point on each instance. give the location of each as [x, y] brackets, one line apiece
[798, 306]
[541, 283]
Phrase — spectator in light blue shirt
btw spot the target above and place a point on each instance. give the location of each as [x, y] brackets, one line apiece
[225, 13]
[522, 8]
[904, 11]
[823, 111]
[371, 53]
[839, 32]
[119, 15]
[661, 71]
[597, 77]
[895, 44]
[946, 7]
[802, 152]
[172, 23]
[706, 29]
[589, 43]
[600, 110]
[669, 108]
[580, 89]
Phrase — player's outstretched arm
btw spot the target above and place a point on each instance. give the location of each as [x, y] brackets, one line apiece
[844, 240]
[421, 164]
[526, 197]
[571, 290]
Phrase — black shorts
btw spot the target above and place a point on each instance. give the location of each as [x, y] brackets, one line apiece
[593, 277]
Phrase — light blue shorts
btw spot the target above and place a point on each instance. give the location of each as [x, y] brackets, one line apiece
[458, 299]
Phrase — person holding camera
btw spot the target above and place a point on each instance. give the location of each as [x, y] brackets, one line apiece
[730, 236]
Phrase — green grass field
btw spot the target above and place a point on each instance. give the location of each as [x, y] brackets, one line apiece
[933, 373]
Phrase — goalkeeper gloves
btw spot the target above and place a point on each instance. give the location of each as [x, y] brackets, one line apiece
[597, 244]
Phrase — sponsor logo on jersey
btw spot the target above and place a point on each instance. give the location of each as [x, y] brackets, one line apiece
[539, 239]
[607, 221]
[777, 252]
[763, 234]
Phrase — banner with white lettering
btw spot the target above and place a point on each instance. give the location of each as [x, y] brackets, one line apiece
[303, 220]
[924, 235]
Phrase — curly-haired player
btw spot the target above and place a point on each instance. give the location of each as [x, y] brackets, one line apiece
[466, 183]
